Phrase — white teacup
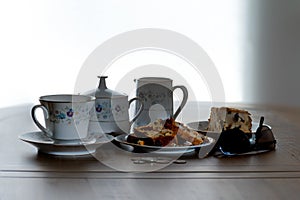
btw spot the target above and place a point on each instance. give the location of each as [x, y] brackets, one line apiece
[66, 116]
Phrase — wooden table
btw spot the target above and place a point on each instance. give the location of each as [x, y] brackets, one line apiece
[26, 174]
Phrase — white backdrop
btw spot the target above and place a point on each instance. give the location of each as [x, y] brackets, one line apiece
[43, 44]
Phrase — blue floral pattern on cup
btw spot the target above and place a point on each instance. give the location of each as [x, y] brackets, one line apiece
[69, 114]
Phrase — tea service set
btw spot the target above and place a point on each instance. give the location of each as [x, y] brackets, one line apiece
[78, 124]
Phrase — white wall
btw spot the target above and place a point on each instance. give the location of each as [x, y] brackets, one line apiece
[254, 44]
[43, 44]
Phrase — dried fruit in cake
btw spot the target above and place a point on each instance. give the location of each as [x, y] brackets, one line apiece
[225, 118]
[165, 133]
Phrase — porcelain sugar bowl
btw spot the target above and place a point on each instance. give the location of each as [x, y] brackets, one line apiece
[111, 115]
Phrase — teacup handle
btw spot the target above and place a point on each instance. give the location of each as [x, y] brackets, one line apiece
[139, 111]
[184, 99]
[39, 125]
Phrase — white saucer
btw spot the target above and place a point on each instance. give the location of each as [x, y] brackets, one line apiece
[47, 145]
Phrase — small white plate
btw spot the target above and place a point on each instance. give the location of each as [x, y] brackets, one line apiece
[47, 145]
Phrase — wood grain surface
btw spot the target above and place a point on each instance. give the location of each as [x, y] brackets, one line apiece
[27, 174]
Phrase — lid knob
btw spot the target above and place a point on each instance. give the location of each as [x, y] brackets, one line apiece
[102, 84]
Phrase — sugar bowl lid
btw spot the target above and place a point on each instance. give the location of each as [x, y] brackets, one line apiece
[103, 92]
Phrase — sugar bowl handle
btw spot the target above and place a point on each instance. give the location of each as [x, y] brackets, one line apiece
[139, 111]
